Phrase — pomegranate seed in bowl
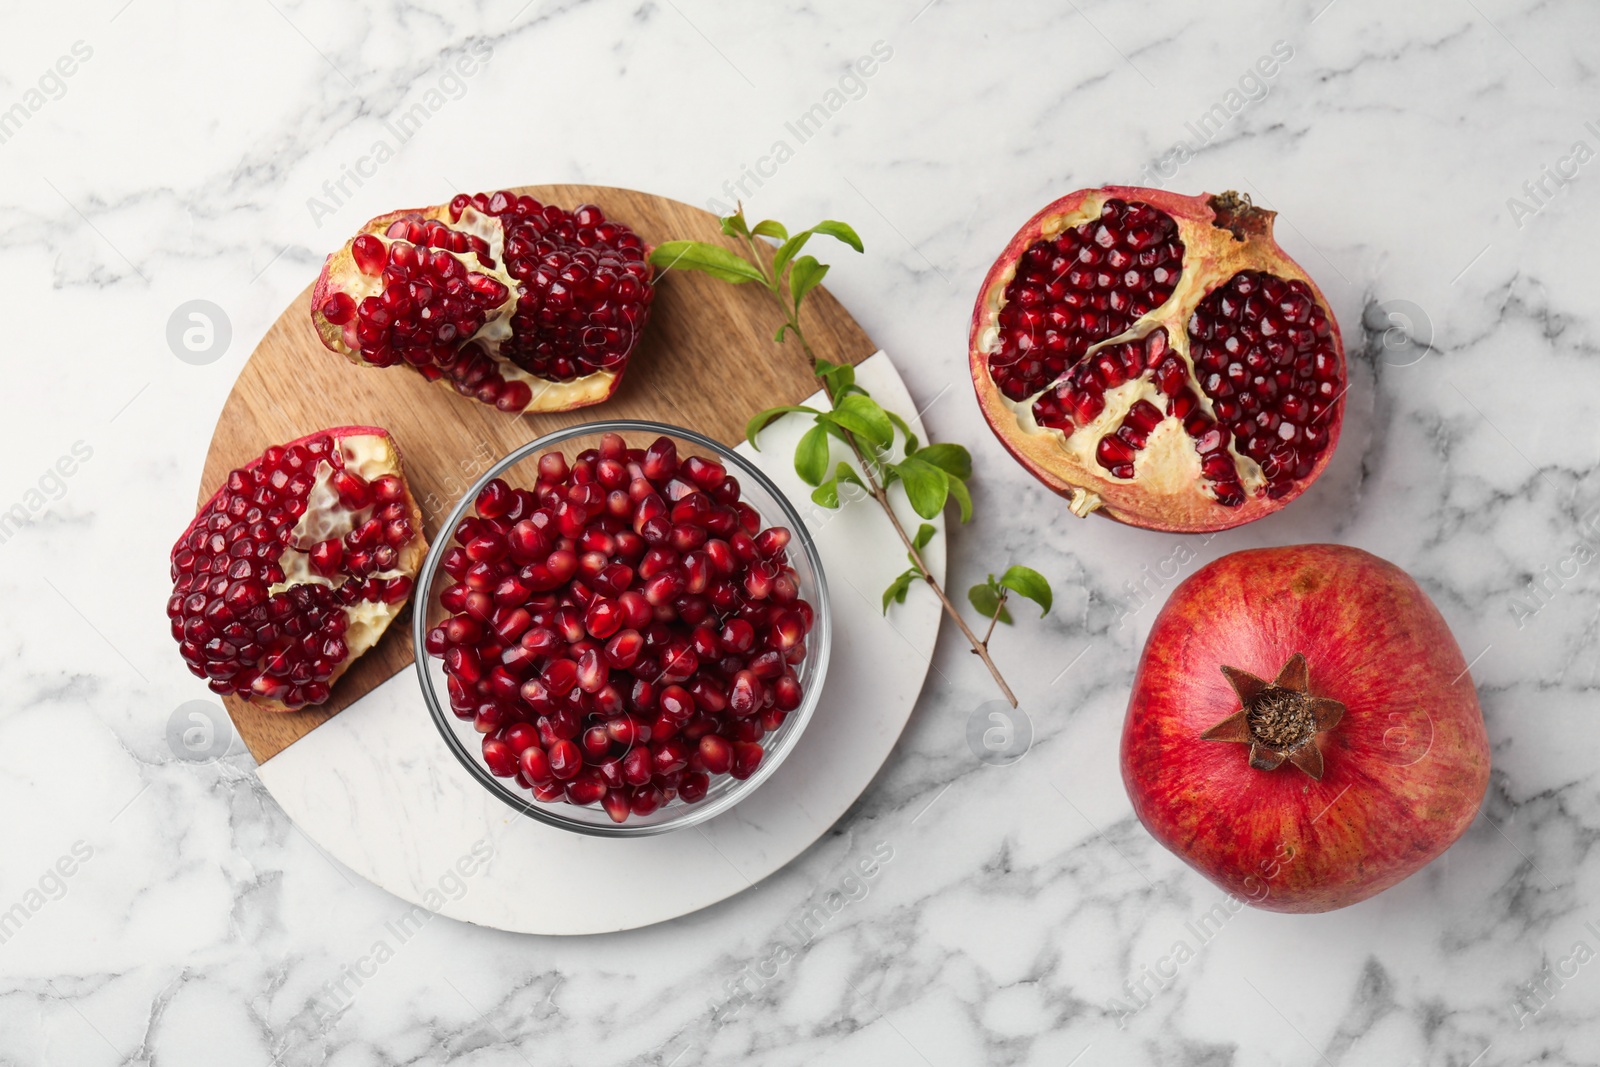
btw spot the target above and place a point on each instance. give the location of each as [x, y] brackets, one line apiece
[628, 639]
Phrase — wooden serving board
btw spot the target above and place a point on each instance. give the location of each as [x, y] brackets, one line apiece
[707, 362]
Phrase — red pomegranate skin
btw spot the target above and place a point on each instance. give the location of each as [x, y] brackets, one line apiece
[1405, 768]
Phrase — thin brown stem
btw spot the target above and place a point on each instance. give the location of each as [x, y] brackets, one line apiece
[881, 495]
[998, 608]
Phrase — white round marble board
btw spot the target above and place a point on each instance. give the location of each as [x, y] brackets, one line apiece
[376, 788]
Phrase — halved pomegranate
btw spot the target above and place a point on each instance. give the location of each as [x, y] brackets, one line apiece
[1158, 358]
[516, 303]
[296, 566]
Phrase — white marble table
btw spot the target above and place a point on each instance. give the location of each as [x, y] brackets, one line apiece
[213, 152]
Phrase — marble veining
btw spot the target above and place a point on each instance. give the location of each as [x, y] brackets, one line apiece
[1425, 162]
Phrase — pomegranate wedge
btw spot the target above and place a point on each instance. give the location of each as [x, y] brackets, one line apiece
[512, 302]
[296, 566]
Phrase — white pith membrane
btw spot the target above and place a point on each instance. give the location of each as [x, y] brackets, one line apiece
[345, 276]
[370, 456]
[1169, 464]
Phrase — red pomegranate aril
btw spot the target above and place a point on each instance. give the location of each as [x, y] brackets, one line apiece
[512, 590]
[721, 556]
[738, 636]
[560, 676]
[593, 673]
[625, 731]
[535, 765]
[326, 556]
[746, 758]
[489, 717]
[744, 696]
[502, 684]
[603, 618]
[656, 561]
[668, 756]
[767, 665]
[499, 757]
[569, 625]
[566, 759]
[758, 583]
[519, 735]
[637, 766]
[616, 804]
[610, 772]
[676, 704]
[541, 641]
[596, 743]
[623, 650]
[608, 702]
[587, 788]
[462, 662]
[693, 787]
[642, 696]
[788, 630]
[787, 693]
[553, 468]
[705, 642]
[645, 800]
[510, 624]
[771, 542]
[716, 753]
[661, 460]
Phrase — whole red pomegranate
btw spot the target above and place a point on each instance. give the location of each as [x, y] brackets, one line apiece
[1158, 358]
[516, 303]
[296, 566]
[1303, 730]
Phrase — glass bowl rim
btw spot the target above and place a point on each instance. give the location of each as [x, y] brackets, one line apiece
[692, 815]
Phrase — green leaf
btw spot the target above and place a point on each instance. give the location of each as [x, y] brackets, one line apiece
[958, 489]
[985, 597]
[778, 337]
[1025, 581]
[847, 473]
[787, 250]
[771, 228]
[734, 225]
[925, 534]
[709, 259]
[905, 428]
[927, 486]
[826, 422]
[811, 455]
[841, 231]
[952, 459]
[838, 376]
[964, 498]
[861, 415]
[804, 276]
[896, 593]
[761, 418]
[827, 494]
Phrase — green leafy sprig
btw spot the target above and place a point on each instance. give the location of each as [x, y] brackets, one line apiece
[882, 442]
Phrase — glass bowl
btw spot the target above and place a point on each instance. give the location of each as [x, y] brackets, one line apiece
[519, 469]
